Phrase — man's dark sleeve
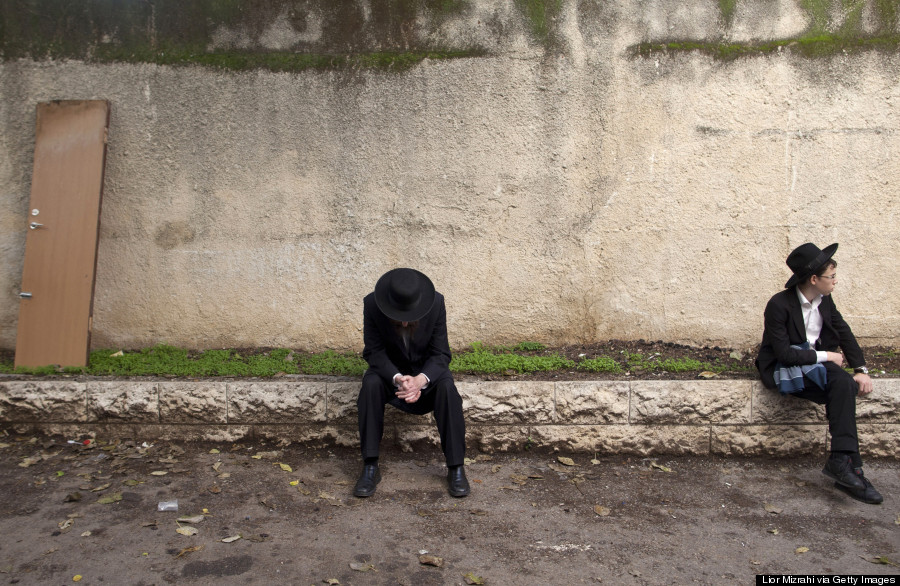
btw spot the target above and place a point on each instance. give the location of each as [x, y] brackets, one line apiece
[438, 360]
[374, 351]
[852, 352]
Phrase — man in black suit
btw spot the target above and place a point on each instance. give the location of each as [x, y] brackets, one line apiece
[405, 337]
[801, 355]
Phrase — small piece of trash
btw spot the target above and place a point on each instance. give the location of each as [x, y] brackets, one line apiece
[167, 505]
[117, 354]
[230, 539]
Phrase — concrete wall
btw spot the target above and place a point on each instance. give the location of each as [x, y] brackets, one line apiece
[556, 187]
[727, 417]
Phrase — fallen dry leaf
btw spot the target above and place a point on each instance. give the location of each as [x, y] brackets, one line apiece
[194, 519]
[772, 509]
[189, 531]
[773, 531]
[660, 467]
[285, 467]
[65, 525]
[601, 510]
[274, 455]
[230, 539]
[332, 581]
[518, 478]
[110, 499]
[158, 473]
[431, 560]
[883, 560]
[471, 578]
[801, 550]
[101, 487]
[496, 468]
[707, 374]
[361, 567]
[565, 461]
[72, 497]
[188, 550]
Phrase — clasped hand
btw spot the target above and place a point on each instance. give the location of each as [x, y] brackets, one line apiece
[409, 388]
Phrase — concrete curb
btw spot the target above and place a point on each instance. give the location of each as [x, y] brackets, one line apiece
[722, 417]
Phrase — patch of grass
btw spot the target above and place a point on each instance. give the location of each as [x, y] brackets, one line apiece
[484, 360]
[683, 365]
[599, 364]
[330, 362]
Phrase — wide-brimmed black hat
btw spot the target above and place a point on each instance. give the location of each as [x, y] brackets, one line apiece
[404, 294]
[805, 259]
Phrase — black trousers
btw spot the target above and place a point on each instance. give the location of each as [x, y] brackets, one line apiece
[440, 396]
[839, 398]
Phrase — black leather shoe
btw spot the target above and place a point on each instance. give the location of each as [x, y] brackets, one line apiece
[367, 481]
[457, 484]
[867, 495]
[839, 468]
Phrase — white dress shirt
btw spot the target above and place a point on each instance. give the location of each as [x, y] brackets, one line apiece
[813, 321]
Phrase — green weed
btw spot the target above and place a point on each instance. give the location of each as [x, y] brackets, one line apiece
[599, 364]
[483, 360]
[330, 362]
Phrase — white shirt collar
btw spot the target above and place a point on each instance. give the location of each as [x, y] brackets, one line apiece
[804, 302]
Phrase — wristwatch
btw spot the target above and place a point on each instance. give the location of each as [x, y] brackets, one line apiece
[861, 370]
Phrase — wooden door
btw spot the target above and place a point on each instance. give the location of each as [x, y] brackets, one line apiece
[63, 220]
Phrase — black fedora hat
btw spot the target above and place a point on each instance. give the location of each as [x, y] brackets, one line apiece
[805, 259]
[404, 294]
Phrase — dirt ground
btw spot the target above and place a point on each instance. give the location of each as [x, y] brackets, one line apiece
[91, 511]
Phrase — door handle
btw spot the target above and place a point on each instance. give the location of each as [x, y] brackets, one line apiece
[35, 225]
[25, 295]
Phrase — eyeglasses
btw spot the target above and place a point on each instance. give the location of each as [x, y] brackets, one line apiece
[831, 277]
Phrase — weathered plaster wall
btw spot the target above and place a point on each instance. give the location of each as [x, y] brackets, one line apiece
[556, 187]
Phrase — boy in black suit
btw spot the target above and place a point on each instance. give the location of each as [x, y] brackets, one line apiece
[801, 355]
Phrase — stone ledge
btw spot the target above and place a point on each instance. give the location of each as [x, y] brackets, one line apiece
[724, 417]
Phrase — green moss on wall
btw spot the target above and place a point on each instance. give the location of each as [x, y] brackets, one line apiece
[176, 32]
[727, 7]
[540, 14]
[821, 39]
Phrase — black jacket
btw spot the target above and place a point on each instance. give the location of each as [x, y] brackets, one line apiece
[428, 352]
[784, 327]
